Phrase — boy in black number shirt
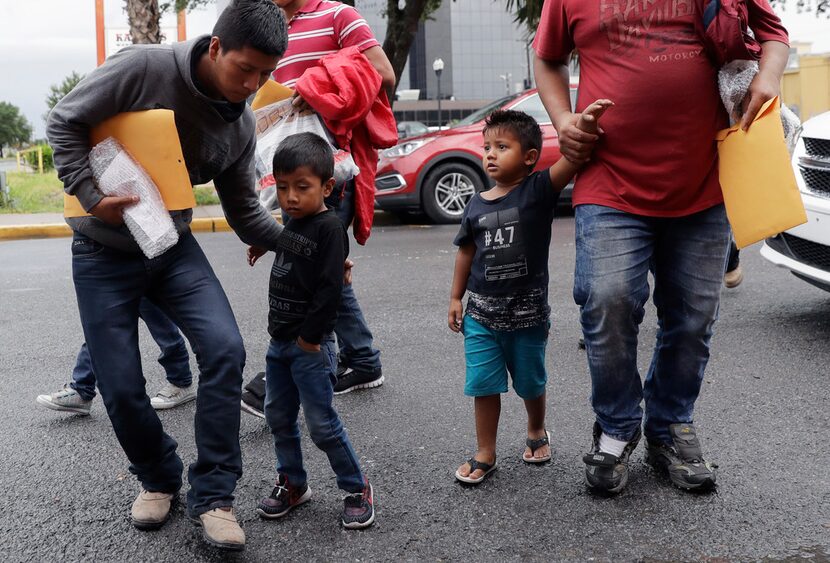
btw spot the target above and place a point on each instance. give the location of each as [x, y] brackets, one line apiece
[502, 263]
[303, 296]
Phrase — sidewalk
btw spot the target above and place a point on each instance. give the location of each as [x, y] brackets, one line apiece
[206, 218]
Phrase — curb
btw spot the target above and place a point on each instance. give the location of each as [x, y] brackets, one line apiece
[55, 230]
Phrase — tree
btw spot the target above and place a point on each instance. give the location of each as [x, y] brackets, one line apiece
[402, 20]
[58, 91]
[14, 129]
[144, 16]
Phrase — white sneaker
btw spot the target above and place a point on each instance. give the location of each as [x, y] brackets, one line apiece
[67, 400]
[172, 396]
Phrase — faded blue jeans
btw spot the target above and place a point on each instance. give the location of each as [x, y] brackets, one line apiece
[615, 251]
[294, 377]
[174, 357]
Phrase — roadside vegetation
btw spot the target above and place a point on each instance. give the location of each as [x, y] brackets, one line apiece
[43, 193]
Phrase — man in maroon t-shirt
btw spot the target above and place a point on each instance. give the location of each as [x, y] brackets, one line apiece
[648, 200]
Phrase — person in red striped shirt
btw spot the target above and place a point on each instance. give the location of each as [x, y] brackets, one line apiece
[317, 28]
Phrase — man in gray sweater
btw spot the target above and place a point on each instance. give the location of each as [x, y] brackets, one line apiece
[205, 81]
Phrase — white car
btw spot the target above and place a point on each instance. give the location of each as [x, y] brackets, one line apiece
[805, 250]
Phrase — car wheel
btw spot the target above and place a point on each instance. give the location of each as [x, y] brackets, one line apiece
[447, 189]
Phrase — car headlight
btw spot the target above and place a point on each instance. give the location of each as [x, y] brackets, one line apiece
[406, 148]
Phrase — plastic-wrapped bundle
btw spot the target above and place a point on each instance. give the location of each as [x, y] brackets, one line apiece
[116, 173]
[276, 122]
[734, 79]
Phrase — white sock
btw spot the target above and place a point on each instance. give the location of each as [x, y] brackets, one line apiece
[610, 445]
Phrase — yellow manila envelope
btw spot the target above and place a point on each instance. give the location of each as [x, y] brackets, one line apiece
[152, 140]
[271, 92]
[757, 179]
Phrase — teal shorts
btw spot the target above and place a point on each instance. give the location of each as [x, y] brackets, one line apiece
[491, 354]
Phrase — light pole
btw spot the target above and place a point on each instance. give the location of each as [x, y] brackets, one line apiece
[438, 66]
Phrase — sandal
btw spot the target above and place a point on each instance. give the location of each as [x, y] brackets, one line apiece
[475, 464]
[535, 445]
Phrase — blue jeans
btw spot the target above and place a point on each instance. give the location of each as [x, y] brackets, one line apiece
[294, 377]
[614, 253]
[174, 358]
[110, 286]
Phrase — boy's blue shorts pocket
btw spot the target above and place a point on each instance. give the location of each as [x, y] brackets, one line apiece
[492, 354]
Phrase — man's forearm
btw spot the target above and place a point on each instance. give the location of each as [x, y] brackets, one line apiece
[774, 57]
[553, 83]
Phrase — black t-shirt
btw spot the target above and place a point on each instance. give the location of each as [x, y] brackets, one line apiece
[508, 283]
[512, 237]
[307, 278]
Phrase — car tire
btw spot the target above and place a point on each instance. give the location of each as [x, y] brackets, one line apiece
[447, 189]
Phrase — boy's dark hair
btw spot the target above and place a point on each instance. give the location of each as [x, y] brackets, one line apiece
[524, 127]
[258, 24]
[305, 149]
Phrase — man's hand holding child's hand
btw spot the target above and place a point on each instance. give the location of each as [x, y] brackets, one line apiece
[254, 254]
[589, 118]
[455, 315]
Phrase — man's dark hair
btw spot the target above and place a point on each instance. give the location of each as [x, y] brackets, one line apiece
[305, 149]
[524, 127]
[258, 24]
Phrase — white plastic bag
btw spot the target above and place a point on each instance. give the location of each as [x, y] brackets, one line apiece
[276, 122]
[116, 173]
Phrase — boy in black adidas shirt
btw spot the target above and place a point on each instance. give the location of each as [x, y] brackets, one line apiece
[303, 296]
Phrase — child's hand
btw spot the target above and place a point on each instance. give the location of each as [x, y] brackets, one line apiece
[456, 313]
[347, 272]
[589, 118]
[254, 254]
[306, 347]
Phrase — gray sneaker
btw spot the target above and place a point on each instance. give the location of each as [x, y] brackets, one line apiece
[171, 396]
[67, 400]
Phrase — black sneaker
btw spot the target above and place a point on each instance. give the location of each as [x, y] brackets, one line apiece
[253, 396]
[605, 472]
[358, 379]
[683, 461]
[359, 509]
[284, 498]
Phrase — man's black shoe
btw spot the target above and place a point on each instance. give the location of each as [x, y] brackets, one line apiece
[253, 396]
[605, 472]
[682, 460]
[358, 379]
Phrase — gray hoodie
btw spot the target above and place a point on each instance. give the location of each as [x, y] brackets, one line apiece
[217, 138]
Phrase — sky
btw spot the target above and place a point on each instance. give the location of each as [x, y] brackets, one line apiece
[43, 41]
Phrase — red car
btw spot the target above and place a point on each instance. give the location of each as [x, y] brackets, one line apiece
[437, 173]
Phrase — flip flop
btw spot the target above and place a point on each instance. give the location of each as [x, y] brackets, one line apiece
[535, 445]
[475, 464]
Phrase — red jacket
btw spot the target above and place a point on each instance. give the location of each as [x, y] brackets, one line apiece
[345, 89]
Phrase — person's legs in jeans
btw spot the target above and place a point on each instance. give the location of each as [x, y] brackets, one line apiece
[313, 375]
[354, 338]
[184, 286]
[109, 286]
[83, 378]
[174, 357]
[613, 253]
[282, 407]
[688, 268]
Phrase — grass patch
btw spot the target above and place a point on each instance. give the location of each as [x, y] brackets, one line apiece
[34, 193]
[205, 195]
[43, 193]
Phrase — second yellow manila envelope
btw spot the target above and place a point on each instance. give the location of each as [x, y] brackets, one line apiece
[757, 179]
[271, 92]
[152, 139]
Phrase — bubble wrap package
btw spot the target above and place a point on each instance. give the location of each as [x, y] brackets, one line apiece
[116, 173]
[734, 79]
[274, 123]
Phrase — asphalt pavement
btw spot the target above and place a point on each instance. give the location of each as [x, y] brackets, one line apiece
[65, 491]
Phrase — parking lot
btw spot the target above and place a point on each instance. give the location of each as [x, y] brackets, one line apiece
[762, 417]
